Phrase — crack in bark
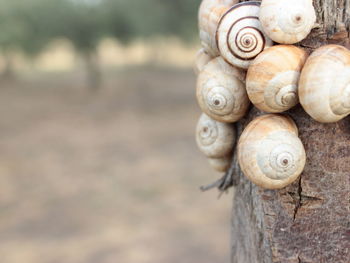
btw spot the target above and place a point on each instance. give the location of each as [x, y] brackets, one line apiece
[299, 200]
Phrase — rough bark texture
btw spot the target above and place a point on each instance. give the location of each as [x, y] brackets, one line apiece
[309, 221]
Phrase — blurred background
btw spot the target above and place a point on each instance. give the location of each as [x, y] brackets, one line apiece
[98, 162]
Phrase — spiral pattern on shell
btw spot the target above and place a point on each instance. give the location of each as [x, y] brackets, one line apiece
[287, 22]
[324, 86]
[221, 93]
[272, 78]
[270, 153]
[239, 36]
[210, 12]
[215, 139]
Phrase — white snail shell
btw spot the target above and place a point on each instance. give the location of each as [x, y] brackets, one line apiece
[287, 22]
[215, 139]
[324, 86]
[202, 59]
[221, 92]
[270, 153]
[210, 12]
[220, 164]
[239, 36]
[272, 78]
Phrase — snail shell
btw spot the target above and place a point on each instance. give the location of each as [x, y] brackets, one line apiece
[202, 59]
[270, 153]
[272, 79]
[324, 86]
[239, 36]
[210, 12]
[215, 139]
[287, 22]
[221, 92]
[220, 164]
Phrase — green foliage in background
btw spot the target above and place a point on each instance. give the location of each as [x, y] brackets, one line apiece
[29, 25]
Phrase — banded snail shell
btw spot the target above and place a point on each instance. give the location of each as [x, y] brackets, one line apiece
[287, 22]
[202, 59]
[272, 78]
[215, 139]
[210, 12]
[221, 92]
[324, 86]
[270, 153]
[239, 36]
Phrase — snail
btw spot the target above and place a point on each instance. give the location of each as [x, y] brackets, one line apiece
[220, 164]
[270, 153]
[239, 36]
[324, 86]
[287, 22]
[215, 139]
[210, 12]
[272, 78]
[221, 92]
[202, 59]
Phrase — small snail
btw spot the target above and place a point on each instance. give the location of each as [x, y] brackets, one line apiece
[210, 12]
[221, 92]
[239, 36]
[220, 164]
[287, 22]
[202, 59]
[272, 78]
[324, 86]
[270, 153]
[215, 139]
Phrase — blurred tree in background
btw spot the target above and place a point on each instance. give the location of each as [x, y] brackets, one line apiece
[28, 26]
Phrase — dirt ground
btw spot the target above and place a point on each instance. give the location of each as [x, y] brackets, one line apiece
[107, 177]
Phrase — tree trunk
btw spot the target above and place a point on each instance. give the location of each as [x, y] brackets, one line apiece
[93, 72]
[309, 221]
[8, 73]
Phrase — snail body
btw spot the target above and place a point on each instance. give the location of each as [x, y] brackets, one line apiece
[210, 12]
[215, 139]
[287, 22]
[202, 59]
[221, 92]
[324, 86]
[239, 35]
[272, 78]
[270, 153]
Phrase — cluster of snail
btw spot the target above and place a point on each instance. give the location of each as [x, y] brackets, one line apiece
[247, 57]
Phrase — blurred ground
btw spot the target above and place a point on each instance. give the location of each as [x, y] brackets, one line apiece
[106, 178]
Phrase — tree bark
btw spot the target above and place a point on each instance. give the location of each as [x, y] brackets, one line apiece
[309, 221]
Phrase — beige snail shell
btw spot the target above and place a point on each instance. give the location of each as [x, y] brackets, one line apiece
[324, 86]
[215, 139]
[272, 78]
[210, 12]
[270, 153]
[202, 59]
[239, 36]
[287, 22]
[220, 164]
[221, 92]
